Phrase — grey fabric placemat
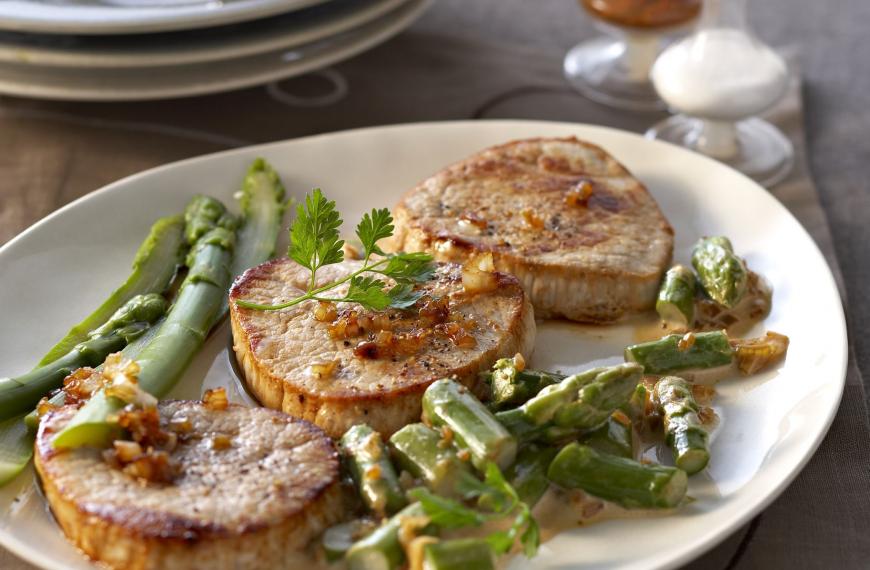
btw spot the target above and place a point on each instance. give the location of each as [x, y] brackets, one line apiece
[443, 68]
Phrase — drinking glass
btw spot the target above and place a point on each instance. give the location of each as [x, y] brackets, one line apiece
[717, 80]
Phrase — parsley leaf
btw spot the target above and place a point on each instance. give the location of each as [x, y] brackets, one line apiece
[409, 267]
[367, 291]
[314, 240]
[372, 228]
[403, 296]
[446, 513]
[314, 243]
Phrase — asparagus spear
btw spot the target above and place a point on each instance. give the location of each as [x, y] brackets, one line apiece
[369, 464]
[16, 448]
[381, 550]
[450, 404]
[614, 437]
[623, 481]
[675, 352]
[20, 394]
[685, 434]
[459, 554]
[722, 274]
[262, 210]
[209, 229]
[598, 399]
[525, 422]
[130, 351]
[528, 475]
[154, 266]
[511, 387]
[420, 451]
[338, 539]
[676, 300]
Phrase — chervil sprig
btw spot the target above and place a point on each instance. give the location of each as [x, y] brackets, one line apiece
[315, 243]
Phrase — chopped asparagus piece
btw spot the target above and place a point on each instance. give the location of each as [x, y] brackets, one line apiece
[449, 404]
[541, 409]
[422, 452]
[459, 554]
[722, 274]
[368, 461]
[21, 394]
[528, 475]
[674, 353]
[676, 300]
[338, 539]
[381, 550]
[636, 408]
[512, 387]
[578, 403]
[154, 266]
[598, 399]
[684, 432]
[614, 437]
[623, 481]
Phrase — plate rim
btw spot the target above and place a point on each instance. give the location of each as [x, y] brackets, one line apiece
[347, 44]
[187, 51]
[156, 21]
[681, 555]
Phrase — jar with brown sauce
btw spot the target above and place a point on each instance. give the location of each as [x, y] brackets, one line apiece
[644, 14]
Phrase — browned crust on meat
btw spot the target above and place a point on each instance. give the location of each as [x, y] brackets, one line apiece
[338, 404]
[129, 536]
[592, 263]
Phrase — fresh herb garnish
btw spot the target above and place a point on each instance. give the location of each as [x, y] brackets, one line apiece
[315, 243]
[495, 496]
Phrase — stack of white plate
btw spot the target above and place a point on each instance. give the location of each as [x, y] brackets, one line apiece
[114, 50]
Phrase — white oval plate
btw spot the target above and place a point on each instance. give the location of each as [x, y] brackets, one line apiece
[100, 17]
[62, 267]
[214, 44]
[163, 82]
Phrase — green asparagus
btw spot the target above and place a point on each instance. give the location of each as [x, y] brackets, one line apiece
[622, 481]
[459, 554]
[368, 461]
[447, 403]
[511, 387]
[598, 399]
[422, 452]
[636, 407]
[722, 274]
[528, 475]
[154, 266]
[381, 550]
[262, 211]
[614, 437]
[338, 539]
[676, 300]
[210, 231]
[674, 353]
[16, 448]
[685, 434]
[525, 422]
[19, 395]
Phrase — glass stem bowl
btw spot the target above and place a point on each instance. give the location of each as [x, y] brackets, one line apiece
[753, 146]
[613, 69]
